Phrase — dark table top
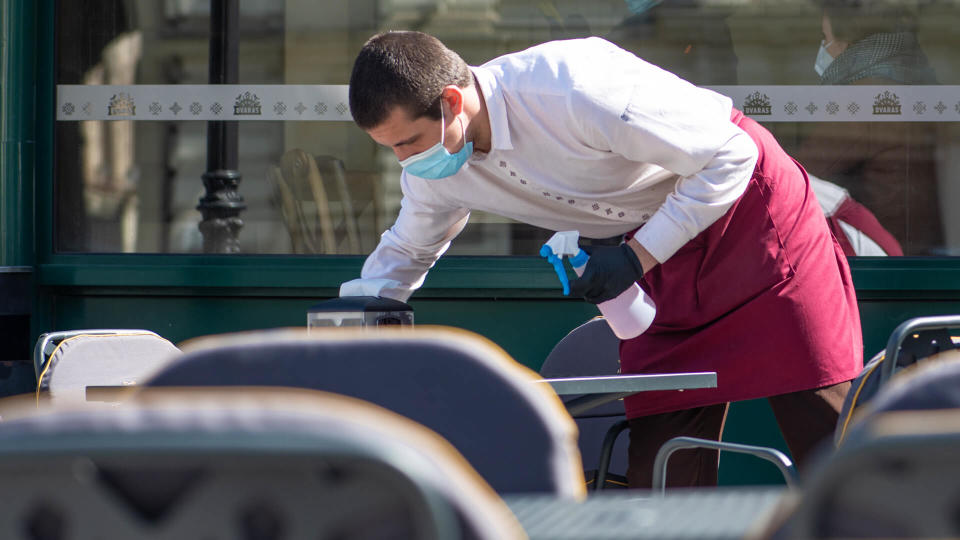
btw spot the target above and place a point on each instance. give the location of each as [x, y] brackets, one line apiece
[697, 513]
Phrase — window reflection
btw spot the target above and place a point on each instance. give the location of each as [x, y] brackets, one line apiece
[102, 189]
[888, 167]
[691, 38]
[324, 188]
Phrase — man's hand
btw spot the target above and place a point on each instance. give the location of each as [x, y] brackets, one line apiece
[609, 271]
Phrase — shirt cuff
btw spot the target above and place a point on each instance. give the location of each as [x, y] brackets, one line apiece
[662, 237]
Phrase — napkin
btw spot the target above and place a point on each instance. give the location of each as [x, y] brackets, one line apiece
[389, 288]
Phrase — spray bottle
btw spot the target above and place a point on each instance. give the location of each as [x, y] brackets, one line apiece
[629, 314]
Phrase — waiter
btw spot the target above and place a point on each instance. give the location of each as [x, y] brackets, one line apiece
[721, 227]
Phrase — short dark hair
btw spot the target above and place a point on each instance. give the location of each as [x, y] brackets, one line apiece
[404, 68]
[853, 20]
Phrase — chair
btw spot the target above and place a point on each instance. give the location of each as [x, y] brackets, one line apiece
[96, 365]
[895, 474]
[515, 434]
[304, 186]
[914, 342]
[932, 384]
[592, 349]
[897, 480]
[911, 341]
[238, 463]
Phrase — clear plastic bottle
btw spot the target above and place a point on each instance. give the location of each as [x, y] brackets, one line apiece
[629, 314]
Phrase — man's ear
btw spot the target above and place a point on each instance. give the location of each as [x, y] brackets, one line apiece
[452, 95]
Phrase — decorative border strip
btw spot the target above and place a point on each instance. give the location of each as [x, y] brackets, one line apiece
[851, 103]
[203, 102]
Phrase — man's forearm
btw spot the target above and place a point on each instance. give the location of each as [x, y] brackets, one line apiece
[647, 261]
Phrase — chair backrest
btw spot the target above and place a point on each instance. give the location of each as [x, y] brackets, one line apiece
[592, 349]
[899, 480]
[315, 202]
[82, 365]
[895, 474]
[912, 341]
[929, 385]
[515, 433]
[238, 463]
[589, 349]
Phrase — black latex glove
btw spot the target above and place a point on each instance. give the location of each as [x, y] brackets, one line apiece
[609, 271]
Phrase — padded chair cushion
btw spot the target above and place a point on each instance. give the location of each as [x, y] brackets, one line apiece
[516, 434]
[184, 463]
[895, 479]
[102, 360]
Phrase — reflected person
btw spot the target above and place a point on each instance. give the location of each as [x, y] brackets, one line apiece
[889, 167]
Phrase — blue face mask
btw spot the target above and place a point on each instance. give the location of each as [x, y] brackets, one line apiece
[436, 162]
[639, 6]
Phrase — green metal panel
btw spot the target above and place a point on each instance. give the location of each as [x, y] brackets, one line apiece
[17, 140]
[525, 326]
[899, 277]
[891, 279]
[751, 422]
[474, 276]
[17, 180]
[879, 318]
[526, 329]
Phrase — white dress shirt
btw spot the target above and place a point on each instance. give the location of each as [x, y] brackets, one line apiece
[586, 137]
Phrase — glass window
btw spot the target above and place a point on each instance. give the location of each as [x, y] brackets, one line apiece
[876, 128]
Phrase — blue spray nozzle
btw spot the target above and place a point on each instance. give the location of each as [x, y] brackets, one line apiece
[557, 262]
[579, 259]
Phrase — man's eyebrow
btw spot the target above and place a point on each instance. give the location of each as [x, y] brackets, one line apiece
[408, 140]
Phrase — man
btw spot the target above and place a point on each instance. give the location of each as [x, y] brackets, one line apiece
[722, 229]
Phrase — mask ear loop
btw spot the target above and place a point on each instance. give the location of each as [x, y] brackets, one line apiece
[443, 130]
[443, 125]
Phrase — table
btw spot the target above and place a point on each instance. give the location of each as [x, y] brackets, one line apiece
[594, 391]
[109, 393]
[701, 513]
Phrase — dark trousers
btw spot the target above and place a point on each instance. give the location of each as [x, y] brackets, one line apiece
[805, 419]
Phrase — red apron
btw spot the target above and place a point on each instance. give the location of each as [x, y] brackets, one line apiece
[862, 219]
[763, 297]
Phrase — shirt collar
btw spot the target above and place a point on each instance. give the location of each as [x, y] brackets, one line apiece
[496, 108]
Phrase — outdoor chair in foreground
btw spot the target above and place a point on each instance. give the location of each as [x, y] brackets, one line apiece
[894, 475]
[516, 434]
[238, 463]
[896, 480]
